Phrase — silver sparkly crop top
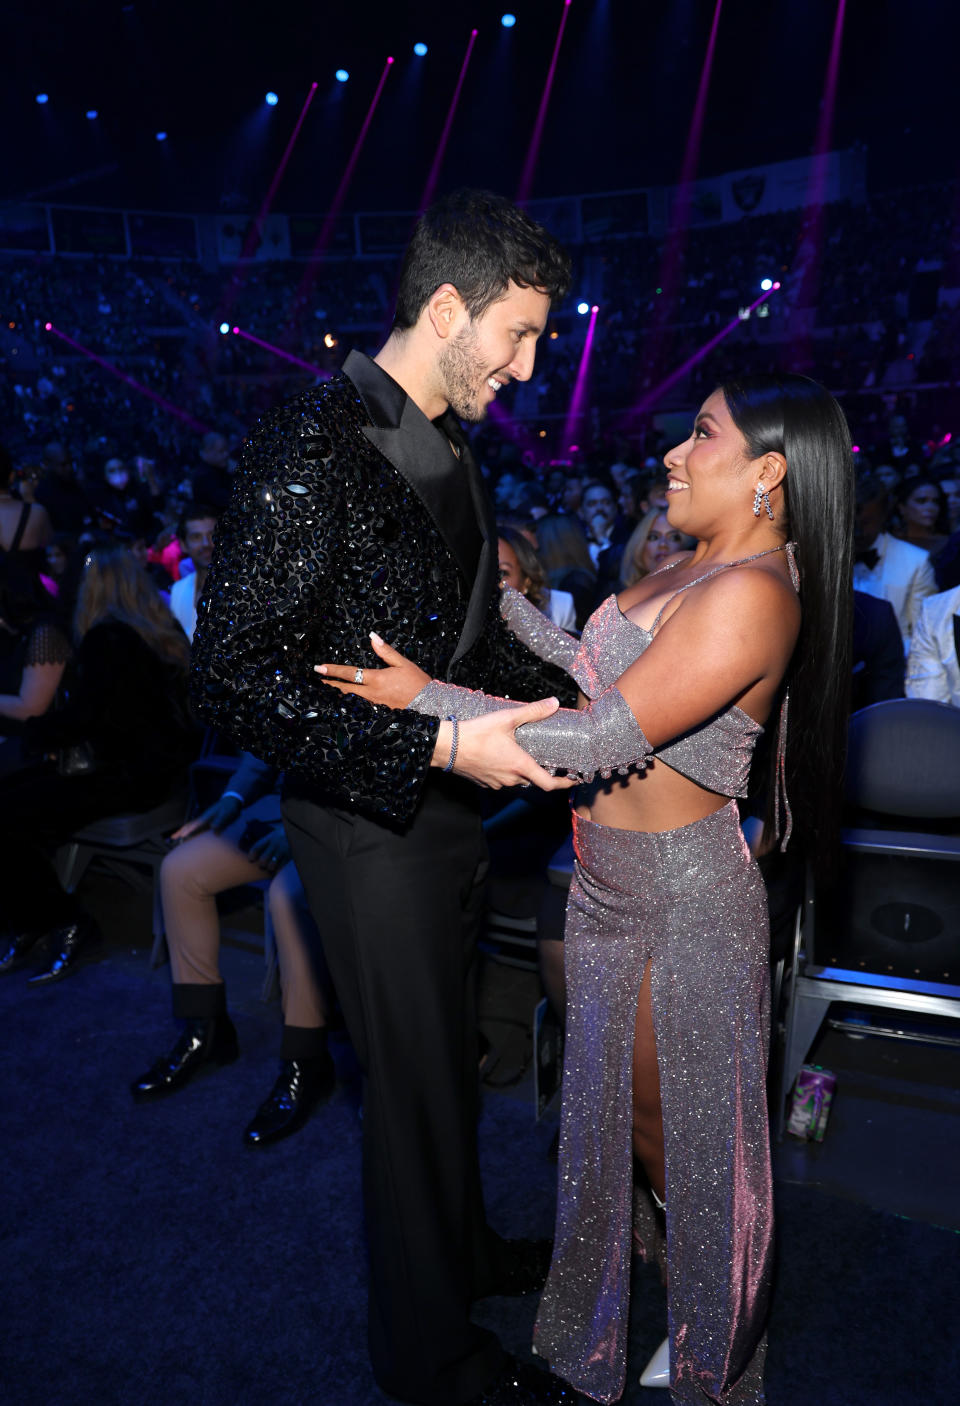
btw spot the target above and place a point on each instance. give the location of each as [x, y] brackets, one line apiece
[715, 754]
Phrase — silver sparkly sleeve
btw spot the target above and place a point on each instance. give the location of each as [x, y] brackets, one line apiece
[449, 700]
[537, 631]
[604, 737]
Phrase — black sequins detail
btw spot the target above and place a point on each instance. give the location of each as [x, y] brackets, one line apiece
[323, 542]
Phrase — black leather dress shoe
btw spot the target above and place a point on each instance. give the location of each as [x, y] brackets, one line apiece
[521, 1385]
[16, 948]
[69, 943]
[301, 1085]
[523, 1268]
[203, 1044]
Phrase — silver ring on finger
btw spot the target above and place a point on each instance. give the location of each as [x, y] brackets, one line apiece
[358, 676]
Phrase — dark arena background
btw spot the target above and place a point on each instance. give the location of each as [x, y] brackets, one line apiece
[202, 210]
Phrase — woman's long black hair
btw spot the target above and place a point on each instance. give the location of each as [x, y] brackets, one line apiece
[794, 416]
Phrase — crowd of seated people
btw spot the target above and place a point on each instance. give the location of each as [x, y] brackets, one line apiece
[95, 632]
[156, 321]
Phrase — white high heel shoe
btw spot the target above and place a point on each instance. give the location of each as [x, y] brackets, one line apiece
[657, 1370]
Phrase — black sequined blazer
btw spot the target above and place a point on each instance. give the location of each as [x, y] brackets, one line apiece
[351, 514]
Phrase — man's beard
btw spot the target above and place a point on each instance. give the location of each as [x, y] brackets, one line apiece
[463, 376]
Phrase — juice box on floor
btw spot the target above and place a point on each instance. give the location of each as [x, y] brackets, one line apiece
[810, 1104]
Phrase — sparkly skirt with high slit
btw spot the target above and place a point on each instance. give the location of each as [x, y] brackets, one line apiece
[690, 902]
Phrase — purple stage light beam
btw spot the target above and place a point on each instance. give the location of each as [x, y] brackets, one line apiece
[253, 235]
[434, 175]
[653, 395]
[533, 150]
[580, 385]
[821, 146]
[680, 218]
[174, 410]
[326, 229]
[279, 351]
[691, 155]
[811, 237]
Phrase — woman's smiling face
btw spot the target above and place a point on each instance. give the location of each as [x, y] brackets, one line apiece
[708, 476]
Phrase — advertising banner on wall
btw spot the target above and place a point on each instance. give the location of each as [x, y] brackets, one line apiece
[765, 190]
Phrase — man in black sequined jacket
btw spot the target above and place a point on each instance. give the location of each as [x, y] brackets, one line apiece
[359, 508]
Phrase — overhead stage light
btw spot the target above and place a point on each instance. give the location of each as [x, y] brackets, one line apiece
[271, 99]
[224, 328]
[92, 114]
[765, 285]
[583, 309]
[341, 75]
[420, 50]
[161, 136]
[43, 98]
[508, 20]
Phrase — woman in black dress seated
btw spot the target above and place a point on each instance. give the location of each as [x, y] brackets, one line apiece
[33, 655]
[120, 742]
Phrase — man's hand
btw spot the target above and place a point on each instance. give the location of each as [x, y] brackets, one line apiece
[271, 852]
[489, 754]
[221, 814]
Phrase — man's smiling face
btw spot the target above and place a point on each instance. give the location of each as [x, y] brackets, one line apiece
[491, 350]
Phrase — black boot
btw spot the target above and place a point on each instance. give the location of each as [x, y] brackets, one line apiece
[209, 1040]
[16, 948]
[69, 943]
[301, 1085]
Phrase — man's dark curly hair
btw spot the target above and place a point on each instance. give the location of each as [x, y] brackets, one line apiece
[480, 243]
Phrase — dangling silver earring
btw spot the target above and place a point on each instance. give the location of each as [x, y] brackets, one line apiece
[762, 496]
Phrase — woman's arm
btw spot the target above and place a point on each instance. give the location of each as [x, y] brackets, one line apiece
[38, 688]
[537, 631]
[722, 644]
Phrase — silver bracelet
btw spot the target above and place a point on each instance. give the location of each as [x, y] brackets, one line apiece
[453, 744]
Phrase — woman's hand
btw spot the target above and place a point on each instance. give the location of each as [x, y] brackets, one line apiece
[394, 686]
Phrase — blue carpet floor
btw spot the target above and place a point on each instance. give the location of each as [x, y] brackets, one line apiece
[150, 1259]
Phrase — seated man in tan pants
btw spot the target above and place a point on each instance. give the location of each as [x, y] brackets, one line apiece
[236, 841]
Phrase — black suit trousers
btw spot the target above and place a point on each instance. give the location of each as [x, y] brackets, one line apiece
[399, 915]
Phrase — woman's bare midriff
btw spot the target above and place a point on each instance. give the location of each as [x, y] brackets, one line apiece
[656, 799]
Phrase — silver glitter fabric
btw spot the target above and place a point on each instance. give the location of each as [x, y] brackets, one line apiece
[604, 737]
[536, 630]
[691, 902]
[716, 753]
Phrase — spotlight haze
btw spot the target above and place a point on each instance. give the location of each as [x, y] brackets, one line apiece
[508, 20]
[420, 50]
[271, 99]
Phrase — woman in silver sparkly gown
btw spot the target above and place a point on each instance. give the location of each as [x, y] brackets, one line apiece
[666, 941]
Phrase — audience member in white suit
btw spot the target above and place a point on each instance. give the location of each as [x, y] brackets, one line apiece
[195, 531]
[884, 565]
[933, 667]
